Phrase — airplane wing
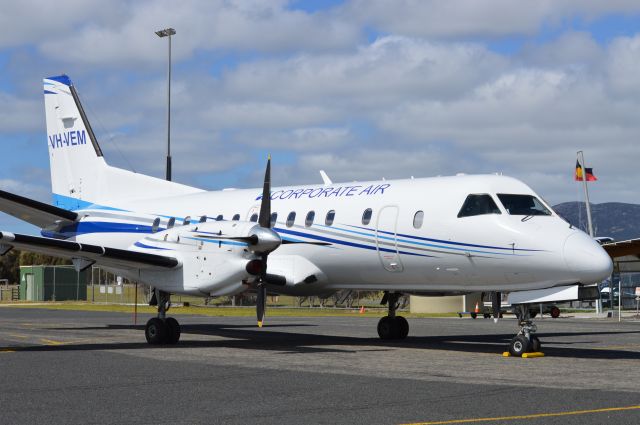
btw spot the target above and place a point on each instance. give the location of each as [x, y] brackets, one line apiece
[34, 212]
[622, 248]
[110, 257]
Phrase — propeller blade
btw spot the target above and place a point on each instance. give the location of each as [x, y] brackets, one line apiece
[264, 220]
[261, 304]
[496, 300]
[265, 206]
[286, 242]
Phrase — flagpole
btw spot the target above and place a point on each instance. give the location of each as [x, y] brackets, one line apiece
[586, 191]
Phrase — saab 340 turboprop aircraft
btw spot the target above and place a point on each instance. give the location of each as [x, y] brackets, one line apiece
[430, 236]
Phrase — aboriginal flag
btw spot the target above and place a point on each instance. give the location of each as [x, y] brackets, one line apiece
[590, 176]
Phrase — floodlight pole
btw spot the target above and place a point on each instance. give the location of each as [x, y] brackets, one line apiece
[168, 32]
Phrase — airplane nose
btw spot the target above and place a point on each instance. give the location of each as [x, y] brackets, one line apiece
[586, 258]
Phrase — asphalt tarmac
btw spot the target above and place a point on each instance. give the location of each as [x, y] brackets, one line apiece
[63, 367]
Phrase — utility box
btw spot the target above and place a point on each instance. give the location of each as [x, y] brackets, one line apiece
[53, 283]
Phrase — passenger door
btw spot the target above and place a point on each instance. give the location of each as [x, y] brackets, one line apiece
[386, 239]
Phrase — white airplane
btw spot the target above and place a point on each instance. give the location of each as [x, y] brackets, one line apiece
[431, 236]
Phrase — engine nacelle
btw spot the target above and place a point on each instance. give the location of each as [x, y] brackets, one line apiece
[216, 258]
[302, 276]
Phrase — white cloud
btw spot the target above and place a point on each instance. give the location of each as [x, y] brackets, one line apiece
[388, 70]
[624, 66]
[256, 26]
[18, 114]
[39, 192]
[304, 139]
[488, 18]
[429, 98]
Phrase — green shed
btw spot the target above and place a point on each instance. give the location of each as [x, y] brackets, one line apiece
[53, 283]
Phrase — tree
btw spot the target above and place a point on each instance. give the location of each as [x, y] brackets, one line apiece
[33, 259]
[9, 267]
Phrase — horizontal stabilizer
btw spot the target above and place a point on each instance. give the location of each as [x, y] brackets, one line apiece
[34, 212]
[110, 257]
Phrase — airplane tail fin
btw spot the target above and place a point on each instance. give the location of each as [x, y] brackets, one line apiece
[79, 174]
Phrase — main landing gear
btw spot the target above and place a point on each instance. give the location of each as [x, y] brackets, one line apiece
[525, 341]
[162, 329]
[392, 326]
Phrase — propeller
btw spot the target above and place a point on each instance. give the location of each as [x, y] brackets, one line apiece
[263, 240]
[264, 221]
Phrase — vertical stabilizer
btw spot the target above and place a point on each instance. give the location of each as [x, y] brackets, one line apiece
[79, 174]
[73, 150]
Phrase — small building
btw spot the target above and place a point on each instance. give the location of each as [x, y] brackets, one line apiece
[53, 283]
[446, 304]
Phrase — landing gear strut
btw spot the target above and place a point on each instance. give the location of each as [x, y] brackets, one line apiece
[525, 341]
[162, 329]
[392, 326]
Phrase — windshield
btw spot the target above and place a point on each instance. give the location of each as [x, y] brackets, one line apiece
[478, 204]
[523, 205]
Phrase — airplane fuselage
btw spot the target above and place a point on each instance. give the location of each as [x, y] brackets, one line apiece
[411, 240]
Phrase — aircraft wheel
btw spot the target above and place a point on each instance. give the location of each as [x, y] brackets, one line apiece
[555, 312]
[386, 328]
[474, 315]
[535, 344]
[155, 331]
[402, 327]
[519, 345]
[173, 330]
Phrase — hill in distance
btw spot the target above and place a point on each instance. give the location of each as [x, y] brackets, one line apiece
[614, 219]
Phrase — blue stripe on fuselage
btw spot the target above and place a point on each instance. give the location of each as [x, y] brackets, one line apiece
[83, 227]
[218, 241]
[340, 242]
[448, 242]
[141, 245]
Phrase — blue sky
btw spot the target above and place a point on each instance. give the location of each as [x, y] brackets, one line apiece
[363, 90]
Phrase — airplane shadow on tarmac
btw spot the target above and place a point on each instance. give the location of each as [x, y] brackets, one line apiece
[243, 337]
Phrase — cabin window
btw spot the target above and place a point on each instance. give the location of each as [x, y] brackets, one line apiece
[330, 216]
[203, 219]
[254, 218]
[187, 220]
[171, 223]
[366, 216]
[309, 220]
[523, 205]
[236, 217]
[291, 218]
[478, 204]
[156, 225]
[418, 218]
[219, 217]
[274, 218]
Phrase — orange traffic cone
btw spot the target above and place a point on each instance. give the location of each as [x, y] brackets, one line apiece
[362, 310]
[477, 308]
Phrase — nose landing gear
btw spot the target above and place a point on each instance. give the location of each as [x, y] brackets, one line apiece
[392, 326]
[525, 341]
[162, 329]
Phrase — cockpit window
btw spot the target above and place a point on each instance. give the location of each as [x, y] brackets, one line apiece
[523, 205]
[478, 204]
